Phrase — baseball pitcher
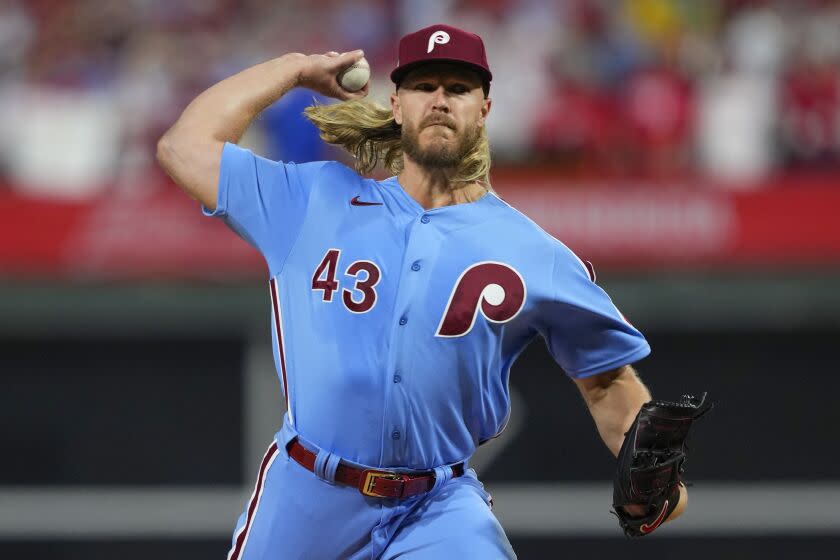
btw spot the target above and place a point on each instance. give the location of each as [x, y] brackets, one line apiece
[397, 308]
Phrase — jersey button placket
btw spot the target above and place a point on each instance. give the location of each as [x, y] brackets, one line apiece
[394, 451]
[396, 421]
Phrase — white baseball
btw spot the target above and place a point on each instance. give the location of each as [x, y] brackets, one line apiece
[355, 77]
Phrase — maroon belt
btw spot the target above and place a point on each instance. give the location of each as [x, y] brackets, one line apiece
[373, 482]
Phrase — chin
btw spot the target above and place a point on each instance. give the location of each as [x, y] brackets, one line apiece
[437, 149]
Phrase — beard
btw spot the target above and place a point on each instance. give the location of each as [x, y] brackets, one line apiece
[438, 154]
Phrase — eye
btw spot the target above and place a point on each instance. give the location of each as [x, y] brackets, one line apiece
[459, 89]
[424, 86]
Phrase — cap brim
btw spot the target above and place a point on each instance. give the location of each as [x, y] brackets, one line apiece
[400, 71]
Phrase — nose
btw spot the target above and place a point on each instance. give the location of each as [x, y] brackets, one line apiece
[440, 101]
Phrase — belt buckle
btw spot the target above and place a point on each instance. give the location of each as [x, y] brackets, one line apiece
[370, 481]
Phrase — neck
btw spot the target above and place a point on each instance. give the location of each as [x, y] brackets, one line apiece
[433, 188]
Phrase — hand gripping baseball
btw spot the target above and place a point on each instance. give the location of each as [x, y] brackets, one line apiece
[320, 72]
[651, 462]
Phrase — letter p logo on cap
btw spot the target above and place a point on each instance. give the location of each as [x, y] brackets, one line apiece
[439, 37]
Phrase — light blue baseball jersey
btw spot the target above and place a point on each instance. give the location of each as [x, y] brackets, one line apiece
[395, 327]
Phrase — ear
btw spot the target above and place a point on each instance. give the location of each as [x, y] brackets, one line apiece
[396, 108]
[485, 110]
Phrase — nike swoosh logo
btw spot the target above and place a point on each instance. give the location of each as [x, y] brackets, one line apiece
[356, 202]
[645, 528]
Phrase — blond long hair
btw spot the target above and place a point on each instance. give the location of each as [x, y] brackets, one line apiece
[369, 132]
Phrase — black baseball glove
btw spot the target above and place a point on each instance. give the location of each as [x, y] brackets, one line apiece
[652, 460]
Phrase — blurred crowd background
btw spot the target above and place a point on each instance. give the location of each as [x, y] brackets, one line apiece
[733, 90]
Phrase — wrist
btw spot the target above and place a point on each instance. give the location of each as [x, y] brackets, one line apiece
[302, 67]
[292, 65]
[681, 504]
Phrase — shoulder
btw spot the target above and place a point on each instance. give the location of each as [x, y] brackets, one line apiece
[562, 256]
[337, 176]
[310, 171]
[327, 176]
[337, 170]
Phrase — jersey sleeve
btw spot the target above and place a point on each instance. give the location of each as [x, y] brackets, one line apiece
[263, 201]
[584, 331]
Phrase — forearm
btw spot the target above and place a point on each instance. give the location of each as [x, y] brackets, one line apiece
[614, 407]
[224, 111]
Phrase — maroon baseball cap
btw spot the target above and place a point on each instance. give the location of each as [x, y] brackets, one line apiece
[442, 43]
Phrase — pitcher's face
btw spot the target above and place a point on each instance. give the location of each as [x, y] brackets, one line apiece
[442, 109]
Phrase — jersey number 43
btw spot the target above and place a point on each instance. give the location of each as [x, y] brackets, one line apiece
[324, 279]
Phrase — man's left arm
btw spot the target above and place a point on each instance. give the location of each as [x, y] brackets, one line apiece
[614, 398]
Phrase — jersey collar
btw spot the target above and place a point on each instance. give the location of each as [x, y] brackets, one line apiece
[393, 185]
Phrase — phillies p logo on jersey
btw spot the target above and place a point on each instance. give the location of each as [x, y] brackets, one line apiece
[496, 289]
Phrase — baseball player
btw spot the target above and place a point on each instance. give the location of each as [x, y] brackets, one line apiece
[397, 307]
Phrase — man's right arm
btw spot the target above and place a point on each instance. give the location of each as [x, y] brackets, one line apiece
[191, 151]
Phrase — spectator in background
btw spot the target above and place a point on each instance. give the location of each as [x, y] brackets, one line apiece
[811, 112]
[739, 101]
[658, 109]
[66, 122]
[736, 117]
[17, 31]
[578, 126]
[810, 91]
[657, 99]
[756, 38]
